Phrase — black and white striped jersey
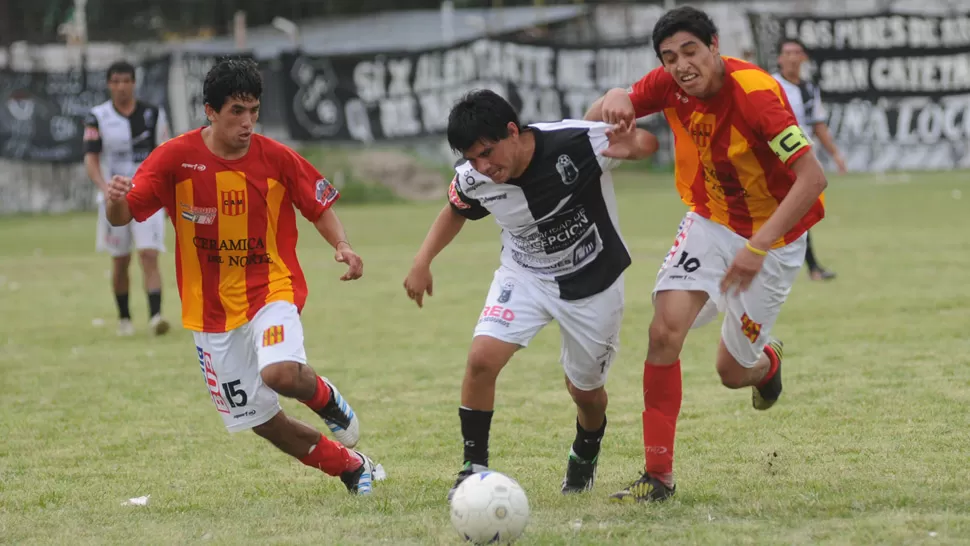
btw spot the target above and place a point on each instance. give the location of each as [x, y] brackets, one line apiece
[123, 142]
[559, 219]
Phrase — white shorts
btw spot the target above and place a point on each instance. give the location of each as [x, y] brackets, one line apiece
[518, 306]
[118, 240]
[700, 256]
[231, 362]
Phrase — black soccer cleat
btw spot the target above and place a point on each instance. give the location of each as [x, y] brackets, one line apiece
[765, 396]
[463, 474]
[646, 489]
[580, 474]
[361, 481]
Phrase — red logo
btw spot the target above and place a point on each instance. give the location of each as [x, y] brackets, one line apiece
[750, 328]
[91, 134]
[233, 202]
[213, 382]
[454, 197]
[499, 312]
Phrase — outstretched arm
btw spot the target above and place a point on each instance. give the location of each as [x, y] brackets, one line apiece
[332, 230]
[444, 229]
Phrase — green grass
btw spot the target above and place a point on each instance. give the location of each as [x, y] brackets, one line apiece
[868, 445]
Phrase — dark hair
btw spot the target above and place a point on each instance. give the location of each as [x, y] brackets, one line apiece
[796, 41]
[480, 115]
[120, 67]
[687, 19]
[231, 77]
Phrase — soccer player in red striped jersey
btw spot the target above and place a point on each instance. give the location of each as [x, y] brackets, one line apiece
[232, 196]
[753, 187]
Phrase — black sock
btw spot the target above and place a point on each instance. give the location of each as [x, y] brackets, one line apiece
[154, 303]
[122, 301]
[587, 443]
[810, 260]
[475, 425]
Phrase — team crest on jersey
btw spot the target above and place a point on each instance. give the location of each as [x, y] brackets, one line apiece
[326, 192]
[198, 215]
[233, 202]
[567, 170]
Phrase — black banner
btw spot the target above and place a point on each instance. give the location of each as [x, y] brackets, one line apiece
[195, 66]
[896, 87]
[400, 95]
[42, 113]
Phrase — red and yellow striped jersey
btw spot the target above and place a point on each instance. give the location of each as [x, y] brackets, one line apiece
[235, 224]
[733, 151]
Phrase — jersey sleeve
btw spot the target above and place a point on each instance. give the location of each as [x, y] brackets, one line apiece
[819, 115]
[146, 187]
[650, 94]
[92, 134]
[775, 124]
[163, 130]
[310, 191]
[599, 141]
[461, 203]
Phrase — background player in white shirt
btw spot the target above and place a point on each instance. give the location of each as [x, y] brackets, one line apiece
[806, 102]
[118, 135]
[549, 187]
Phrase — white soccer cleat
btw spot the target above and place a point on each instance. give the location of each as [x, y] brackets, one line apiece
[158, 324]
[125, 328]
[340, 418]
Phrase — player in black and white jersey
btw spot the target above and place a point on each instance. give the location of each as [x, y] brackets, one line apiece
[806, 102]
[118, 135]
[549, 188]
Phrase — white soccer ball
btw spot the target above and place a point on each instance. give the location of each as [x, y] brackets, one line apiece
[489, 508]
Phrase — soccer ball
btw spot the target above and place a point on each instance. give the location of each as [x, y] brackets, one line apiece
[489, 507]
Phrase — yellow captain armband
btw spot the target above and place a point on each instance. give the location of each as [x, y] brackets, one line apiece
[789, 142]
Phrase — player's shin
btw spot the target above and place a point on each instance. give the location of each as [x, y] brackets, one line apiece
[475, 426]
[662, 395]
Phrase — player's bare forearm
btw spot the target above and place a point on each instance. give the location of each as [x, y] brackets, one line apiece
[331, 228]
[117, 212]
[647, 144]
[595, 112]
[825, 137]
[444, 229]
[92, 164]
[810, 182]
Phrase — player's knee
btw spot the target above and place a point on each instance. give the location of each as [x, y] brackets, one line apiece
[282, 377]
[665, 339]
[587, 399]
[148, 259]
[483, 363]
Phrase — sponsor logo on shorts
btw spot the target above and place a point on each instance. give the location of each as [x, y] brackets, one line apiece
[679, 240]
[249, 413]
[205, 362]
[750, 328]
[498, 314]
[273, 335]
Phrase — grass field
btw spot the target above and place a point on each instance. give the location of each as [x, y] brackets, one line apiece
[868, 445]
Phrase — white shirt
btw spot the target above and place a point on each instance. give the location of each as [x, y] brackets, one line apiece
[806, 102]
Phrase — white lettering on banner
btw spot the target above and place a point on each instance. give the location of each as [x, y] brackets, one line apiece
[369, 80]
[358, 122]
[881, 32]
[922, 74]
[574, 68]
[399, 117]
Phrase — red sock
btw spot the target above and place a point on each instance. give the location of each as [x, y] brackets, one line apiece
[773, 359]
[662, 396]
[331, 457]
[321, 397]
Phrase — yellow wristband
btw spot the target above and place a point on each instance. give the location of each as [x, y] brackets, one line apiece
[757, 251]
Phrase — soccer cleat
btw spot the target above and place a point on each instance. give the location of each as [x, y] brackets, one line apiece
[463, 474]
[580, 474]
[340, 418]
[126, 328]
[158, 325]
[765, 396]
[361, 481]
[646, 489]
